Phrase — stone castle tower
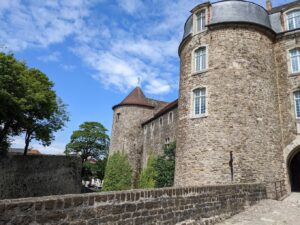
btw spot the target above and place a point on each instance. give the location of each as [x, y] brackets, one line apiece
[237, 118]
[127, 132]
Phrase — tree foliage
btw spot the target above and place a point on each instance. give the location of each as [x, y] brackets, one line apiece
[90, 140]
[118, 174]
[44, 112]
[148, 174]
[28, 104]
[96, 170]
[165, 167]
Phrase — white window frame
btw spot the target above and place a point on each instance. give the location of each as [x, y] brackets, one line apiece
[295, 104]
[200, 115]
[287, 13]
[194, 61]
[195, 20]
[291, 59]
[172, 119]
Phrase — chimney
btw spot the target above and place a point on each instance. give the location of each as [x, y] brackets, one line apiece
[268, 5]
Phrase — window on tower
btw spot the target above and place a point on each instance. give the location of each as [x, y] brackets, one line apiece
[293, 19]
[199, 102]
[200, 59]
[297, 103]
[295, 60]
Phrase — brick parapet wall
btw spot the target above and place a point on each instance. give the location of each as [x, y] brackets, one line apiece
[194, 205]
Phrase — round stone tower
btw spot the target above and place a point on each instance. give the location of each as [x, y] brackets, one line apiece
[127, 131]
[228, 125]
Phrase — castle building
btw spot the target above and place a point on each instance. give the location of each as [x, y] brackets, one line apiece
[237, 118]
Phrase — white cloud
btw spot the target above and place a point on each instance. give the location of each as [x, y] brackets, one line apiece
[131, 6]
[39, 23]
[53, 57]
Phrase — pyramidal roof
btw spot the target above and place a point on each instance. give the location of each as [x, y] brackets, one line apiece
[135, 98]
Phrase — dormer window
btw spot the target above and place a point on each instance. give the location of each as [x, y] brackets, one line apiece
[295, 60]
[201, 21]
[293, 20]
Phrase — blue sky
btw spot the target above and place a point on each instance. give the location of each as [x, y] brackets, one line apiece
[95, 51]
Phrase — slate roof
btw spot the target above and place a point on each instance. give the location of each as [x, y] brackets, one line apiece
[167, 108]
[135, 98]
[284, 7]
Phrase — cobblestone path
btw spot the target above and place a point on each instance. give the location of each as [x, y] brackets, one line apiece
[270, 212]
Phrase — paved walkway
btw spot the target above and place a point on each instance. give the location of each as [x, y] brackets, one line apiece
[270, 212]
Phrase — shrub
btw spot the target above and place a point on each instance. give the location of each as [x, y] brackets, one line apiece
[148, 175]
[118, 173]
[165, 167]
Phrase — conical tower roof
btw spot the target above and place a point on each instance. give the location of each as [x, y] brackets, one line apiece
[135, 98]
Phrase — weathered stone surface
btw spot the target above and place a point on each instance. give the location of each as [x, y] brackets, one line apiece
[197, 203]
[39, 175]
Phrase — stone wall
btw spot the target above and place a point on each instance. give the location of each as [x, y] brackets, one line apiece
[242, 105]
[39, 175]
[156, 135]
[204, 205]
[127, 134]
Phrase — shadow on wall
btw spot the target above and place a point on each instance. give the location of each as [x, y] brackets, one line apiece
[39, 175]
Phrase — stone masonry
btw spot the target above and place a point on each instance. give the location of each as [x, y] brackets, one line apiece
[39, 175]
[250, 117]
[194, 205]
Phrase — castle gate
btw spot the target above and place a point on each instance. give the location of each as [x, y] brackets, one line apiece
[294, 171]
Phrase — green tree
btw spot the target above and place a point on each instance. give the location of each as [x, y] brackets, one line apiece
[28, 104]
[96, 170]
[118, 173]
[148, 174]
[165, 167]
[44, 113]
[90, 140]
[12, 99]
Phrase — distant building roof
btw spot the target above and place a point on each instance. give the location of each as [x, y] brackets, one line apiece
[16, 150]
[33, 152]
[284, 7]
[21, 151]
[167, 108]
[135, 98]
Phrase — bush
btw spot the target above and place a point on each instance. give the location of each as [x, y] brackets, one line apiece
[148, 175]
[118, 174]
[165, 167]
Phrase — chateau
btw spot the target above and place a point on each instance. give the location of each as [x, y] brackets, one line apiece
[237, 118]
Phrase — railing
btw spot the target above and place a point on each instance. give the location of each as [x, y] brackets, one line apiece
[276, 190]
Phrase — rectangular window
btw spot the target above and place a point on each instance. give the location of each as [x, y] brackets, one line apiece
[293, 19]
[170, 117]
[297, 104]
[295, 60]
[200, 59]
[201, 21]
[199, 102]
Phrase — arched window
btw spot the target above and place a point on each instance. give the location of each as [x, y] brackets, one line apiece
[293, 19]
[295, 60]
[160, 121]
[200, 59]
[201, 21]
[297, 103]
[199, 102]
